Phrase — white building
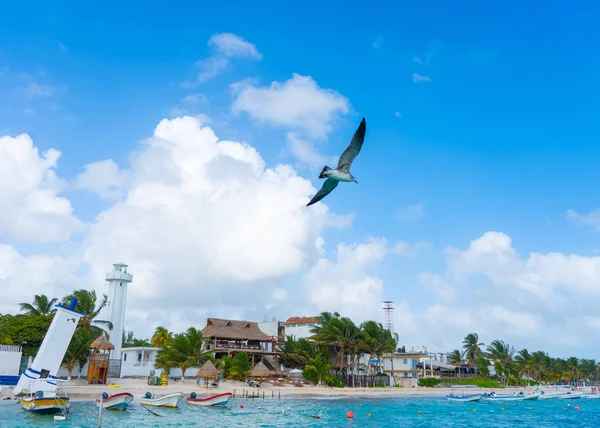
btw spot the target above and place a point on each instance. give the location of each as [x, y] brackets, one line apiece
[10, 362]
[138, 361]
[403, 368]
[300, 327]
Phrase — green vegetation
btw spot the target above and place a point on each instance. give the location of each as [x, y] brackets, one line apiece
[183, 350]
[512, 367]
[130, 341]
[480, 382]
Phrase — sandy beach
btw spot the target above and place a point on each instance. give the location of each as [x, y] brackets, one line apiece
[78, 389]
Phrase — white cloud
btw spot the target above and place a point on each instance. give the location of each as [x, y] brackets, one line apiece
[410, 213]
[226, 46]
[345, 285]
[102, 178]
[417, 78]
[304, 151]
[190, 105]
[29, 188]
[232, 46]
[437, 286]
[591, 219]
[298, 103]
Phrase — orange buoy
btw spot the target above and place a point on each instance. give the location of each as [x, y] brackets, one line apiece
[577, 408]
[241, 406]
[350, 415]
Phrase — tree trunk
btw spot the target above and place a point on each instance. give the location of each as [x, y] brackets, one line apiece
[183, 373]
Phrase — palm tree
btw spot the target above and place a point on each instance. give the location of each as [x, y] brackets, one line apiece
[184, 350]
[317, 370]
[502, 356]
[525, 363]
[160, 337]
[472, 347]
[78, 348]
[240, 366]
[88, 305]
[41, 305]
[377, 340]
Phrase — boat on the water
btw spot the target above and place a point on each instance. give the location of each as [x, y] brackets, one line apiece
[570, 395]
[213, 400]
[464, 398]
[46, 402]
[118, 401]
[168, 400]
[521, 396]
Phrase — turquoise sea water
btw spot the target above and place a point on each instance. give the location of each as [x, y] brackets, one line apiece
[435, 412]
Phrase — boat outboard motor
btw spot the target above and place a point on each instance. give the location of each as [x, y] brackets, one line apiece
[193, 395]
[105, 395]
[148, 395]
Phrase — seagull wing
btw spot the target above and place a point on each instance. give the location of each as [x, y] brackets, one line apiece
[353, 148]
[328, 186]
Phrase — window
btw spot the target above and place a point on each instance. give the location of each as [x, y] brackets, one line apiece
[414, 363]
[405, 361]
[140, 356]
[124, 357]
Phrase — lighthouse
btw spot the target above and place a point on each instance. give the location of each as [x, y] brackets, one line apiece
[118, 279]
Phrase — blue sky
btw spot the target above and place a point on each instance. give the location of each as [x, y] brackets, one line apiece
[482, 118]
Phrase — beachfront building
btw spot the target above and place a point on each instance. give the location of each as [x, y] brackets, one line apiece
[274, 329]
[300, 327]
[138, 361]
[229, 337]
[99, 361]
[12, 364]
[404, 366]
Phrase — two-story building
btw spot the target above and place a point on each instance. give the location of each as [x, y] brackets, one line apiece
[300, 327]
[229, 337]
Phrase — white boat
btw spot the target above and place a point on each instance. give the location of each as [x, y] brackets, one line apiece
[46, 402]
[591, 396]
[516, 397]
[570, 395]
[464, 398]
[213, 400]
[550, 395]
[118, 401]
[168, 400]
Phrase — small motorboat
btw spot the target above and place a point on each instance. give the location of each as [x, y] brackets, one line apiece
[118, 401]
[570, 395]
[44, 401]
[213, 400]
[516, 397]
[168, 400]
[464, 398]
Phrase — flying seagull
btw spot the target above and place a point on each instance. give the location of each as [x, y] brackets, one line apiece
[342, 172]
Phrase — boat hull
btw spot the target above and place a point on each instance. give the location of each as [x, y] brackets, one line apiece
[465, 399]
[214, 400]
[570, 396]
[169, 400]
[44, 405]
[116, 401]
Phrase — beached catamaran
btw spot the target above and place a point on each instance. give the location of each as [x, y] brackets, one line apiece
[37, 386]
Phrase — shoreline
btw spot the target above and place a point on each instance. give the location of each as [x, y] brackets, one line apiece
[79, 390]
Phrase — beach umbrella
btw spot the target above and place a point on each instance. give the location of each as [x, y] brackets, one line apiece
[260, 371]
[207, 371]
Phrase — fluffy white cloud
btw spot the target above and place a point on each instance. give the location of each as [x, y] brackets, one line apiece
[226, 46]
[410, 213]
[205, 226]
[345, 285]
[406, 249]
[298, 103]
[29, 188]
[491, 290]
[102, 178]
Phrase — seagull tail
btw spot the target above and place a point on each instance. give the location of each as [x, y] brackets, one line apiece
[323, 172]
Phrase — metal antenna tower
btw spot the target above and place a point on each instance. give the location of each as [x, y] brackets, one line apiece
[388, 315]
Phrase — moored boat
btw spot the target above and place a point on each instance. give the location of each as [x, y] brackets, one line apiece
[213, 400]
[168, 400]
[570, 395]
[44, 401]
[464, 398]
[516, 397]
[118, 401]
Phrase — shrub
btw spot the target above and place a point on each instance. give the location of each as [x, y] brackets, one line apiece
[428, 382]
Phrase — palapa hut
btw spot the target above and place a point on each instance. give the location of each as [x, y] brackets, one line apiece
[207, 371]
[99, 359]
[229, 337]
[260, 371]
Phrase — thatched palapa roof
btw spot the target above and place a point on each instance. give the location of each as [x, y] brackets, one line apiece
[102, 344]
[260, 370]
[237, 330]
[303, 320]
[207, 370]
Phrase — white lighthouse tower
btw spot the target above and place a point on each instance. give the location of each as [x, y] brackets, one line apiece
[117, 279]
